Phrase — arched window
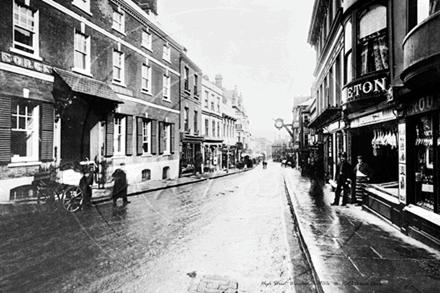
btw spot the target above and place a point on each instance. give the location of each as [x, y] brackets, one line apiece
[146, 175]
[348, 74]
[373, 40]
[166, 173]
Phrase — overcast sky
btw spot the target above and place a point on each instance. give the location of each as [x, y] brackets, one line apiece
[260, 46]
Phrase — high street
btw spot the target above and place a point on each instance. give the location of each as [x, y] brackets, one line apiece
[255, 231]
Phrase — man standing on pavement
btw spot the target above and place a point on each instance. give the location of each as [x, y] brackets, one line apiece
[120, 186]
[343, 173]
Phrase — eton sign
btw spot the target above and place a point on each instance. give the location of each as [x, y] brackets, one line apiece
[366, 89]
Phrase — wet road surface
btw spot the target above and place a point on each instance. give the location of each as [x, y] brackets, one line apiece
[167, 241]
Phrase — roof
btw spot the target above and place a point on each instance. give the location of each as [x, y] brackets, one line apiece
[86, 85]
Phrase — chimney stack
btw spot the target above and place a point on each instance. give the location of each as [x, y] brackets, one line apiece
[219, 81]
[148, 5]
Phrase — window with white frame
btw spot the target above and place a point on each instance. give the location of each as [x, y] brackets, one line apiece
[167, 138]
[218, 104]
[118, 66]
[196, 117]
[166, 52]
[348, 74]
[146, 137]
[186, 78]
[146, 78]
[206, 127]
[186, 119]
[119, 135]
[146, 40]
[25, 30]
[119, 20]
[196, 81]
[206, 99]
[82, 52]
[24, 131]
[213, 128]
[166, 87]
[83, 4]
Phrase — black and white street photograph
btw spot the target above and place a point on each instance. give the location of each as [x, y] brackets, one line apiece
[229, 146]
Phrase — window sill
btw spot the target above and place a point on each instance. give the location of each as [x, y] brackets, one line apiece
[24, 164]
[33, 56]
[166, 154]
[147, 155]
[166, 100]
[121, 84]
[122, 33]
[82, 9]
[82, 71]
[169, 61]
[146, 48]
[146, 92]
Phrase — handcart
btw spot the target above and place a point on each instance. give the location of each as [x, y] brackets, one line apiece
[61, 184]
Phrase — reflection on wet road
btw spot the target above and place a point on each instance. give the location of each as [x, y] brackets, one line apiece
[232, 226]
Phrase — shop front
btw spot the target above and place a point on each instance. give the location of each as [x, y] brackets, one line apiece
[375, 138]
[212, 159]
[420, 164]
[191, 158]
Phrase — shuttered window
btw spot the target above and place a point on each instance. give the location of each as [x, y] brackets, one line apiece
[154, 139]
[47, 122]
[109, 135]
[129, 145]
[144, 141]
[5, 129]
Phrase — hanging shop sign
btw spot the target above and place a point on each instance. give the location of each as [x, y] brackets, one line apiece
[25, 63]
[378, 117]
[423, 104]
[367, 88]
[402, 183]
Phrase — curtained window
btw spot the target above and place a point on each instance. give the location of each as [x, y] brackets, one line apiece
[373, 40]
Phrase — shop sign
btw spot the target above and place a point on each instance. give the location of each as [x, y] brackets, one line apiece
[402, 183]
[334, 126]
[367, 88]
[402, 143]
[373, 118]
[422, 105]
[25, 63]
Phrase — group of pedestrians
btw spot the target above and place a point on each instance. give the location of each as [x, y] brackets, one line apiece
[345, 174]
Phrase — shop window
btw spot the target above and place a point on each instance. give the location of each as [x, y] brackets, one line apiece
[372, 40]
[24, 131]
[26, 23]
[146, 175]
[424, 164]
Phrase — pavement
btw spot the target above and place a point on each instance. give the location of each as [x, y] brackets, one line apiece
[352, 250]
[100, 195]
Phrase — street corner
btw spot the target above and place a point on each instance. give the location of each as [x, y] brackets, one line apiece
[215, 284]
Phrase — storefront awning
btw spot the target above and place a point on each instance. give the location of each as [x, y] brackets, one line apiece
[328, 115]
[87, 85]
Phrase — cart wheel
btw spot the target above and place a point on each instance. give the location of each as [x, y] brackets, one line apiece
[72, 199]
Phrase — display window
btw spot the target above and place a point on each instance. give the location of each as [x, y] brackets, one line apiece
[426, 144]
